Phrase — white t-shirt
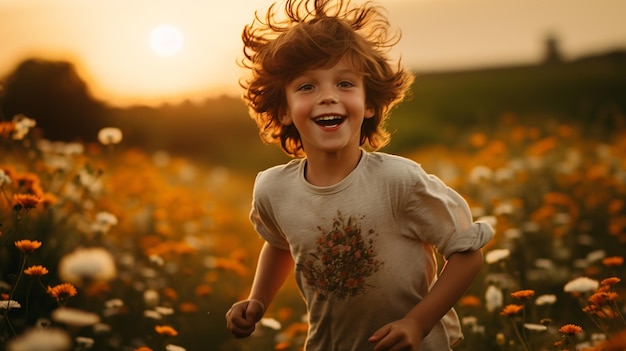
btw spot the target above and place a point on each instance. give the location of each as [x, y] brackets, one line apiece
[364, 248]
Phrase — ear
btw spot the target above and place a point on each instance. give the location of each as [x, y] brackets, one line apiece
[285, 119]
[283, 116]
[369, 112]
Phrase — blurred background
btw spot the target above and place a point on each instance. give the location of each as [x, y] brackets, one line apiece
[518, 105]
[167, 73]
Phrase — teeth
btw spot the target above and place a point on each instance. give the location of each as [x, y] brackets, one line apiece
[328, 118]
[329, 121]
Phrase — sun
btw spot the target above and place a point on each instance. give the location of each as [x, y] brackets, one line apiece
[166, 40]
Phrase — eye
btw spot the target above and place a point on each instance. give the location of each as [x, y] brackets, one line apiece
[305, 87]
[345, 84]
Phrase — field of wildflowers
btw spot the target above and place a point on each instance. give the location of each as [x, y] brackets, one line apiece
[108, 248]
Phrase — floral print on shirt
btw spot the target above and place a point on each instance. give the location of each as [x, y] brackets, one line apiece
[343, 260]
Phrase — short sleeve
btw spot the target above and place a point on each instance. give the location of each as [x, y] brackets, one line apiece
[438, 215]
[261, 216]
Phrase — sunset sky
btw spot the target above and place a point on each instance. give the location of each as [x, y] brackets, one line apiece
[116, 51]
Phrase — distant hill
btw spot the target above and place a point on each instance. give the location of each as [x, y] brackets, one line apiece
[590, 90]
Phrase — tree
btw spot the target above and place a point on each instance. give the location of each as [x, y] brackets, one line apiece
[52, 93]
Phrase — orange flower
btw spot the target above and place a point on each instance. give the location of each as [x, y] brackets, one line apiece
[610, 281]
[171, 294]
[6, 128]
[284, 345]
[165, 330]
[613, 261]
[523, 295]
[599, 311]
[25, 201]
[231, 265]
[602, 298]
[28, 246]
[97, 288]
[511, 310]
[36, 271]
[203, 290]
[470, 300]
[188, 307]
[615, 206]
[49, 199]
[183, 249]
[542, 146]
[591, 309]
[605, 312]
[143, 348]
[570, 329]
[478, 140]
[62, 291]
[27, 180]
[616, 343]
[558, 343]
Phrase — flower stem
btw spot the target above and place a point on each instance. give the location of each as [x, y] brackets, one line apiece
[519, 336]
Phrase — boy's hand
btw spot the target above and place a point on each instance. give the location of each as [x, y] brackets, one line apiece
[401, 335]
[242, 317]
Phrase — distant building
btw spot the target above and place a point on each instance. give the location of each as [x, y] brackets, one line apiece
[552, 49]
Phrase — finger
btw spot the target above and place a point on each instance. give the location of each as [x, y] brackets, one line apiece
[240, 328]
[379, 334]
[254, 311]
[390, 341]
[237, 311]
[240, 332]
[236, 321]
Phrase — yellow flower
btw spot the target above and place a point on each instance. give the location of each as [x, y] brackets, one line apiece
[36, 271]
[165, 330]
[28, 246]
[570, 329]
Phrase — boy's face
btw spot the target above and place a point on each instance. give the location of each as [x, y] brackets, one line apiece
[327, 106]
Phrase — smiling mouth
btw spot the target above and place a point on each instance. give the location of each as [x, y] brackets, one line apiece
[329, 121]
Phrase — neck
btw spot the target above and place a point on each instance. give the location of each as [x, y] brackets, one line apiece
[329, 169]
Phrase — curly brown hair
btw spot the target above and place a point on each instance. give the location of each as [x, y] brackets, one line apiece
[316, 34]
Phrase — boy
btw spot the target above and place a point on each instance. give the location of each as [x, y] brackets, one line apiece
[359, 227]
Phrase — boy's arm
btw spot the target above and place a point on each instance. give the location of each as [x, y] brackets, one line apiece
[272, 269]
[456, 277]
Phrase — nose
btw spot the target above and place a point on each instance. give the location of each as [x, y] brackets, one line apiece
[328, 101]
[327, 97]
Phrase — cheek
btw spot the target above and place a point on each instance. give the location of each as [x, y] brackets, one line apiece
[297, 109]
